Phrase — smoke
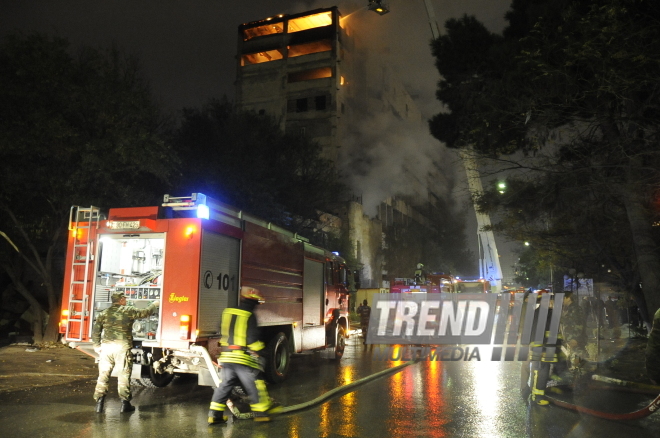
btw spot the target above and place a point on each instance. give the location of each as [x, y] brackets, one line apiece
[385, 156]
[404, 33]
[381, 154]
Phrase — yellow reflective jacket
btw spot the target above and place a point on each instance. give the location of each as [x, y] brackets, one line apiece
[240, 337]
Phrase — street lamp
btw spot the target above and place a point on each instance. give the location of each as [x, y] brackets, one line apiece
[501, 187]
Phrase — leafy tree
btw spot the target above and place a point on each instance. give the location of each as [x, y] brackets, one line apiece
[245, 160]
[575, 80]
[568, 225]
[73, 130]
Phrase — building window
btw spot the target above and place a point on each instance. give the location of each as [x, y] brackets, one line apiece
[328, 273]
[258, 31]
[320, 103]
[309, 48]
[310, 22]
[301, 105]
[306, 75]
[257, 58]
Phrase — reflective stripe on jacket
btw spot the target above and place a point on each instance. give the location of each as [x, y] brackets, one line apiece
[239, 331]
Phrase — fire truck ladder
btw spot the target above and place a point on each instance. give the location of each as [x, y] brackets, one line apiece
[81, 221]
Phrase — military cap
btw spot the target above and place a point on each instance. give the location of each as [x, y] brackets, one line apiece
[117, 296]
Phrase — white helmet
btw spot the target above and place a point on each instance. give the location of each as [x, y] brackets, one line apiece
[420, 266]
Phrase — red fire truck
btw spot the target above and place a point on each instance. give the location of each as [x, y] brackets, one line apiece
[480, 285]
[193, 254]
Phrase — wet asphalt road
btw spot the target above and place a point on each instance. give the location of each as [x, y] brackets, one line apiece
[427, 399]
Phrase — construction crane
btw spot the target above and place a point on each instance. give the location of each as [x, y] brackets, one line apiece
[489, 260]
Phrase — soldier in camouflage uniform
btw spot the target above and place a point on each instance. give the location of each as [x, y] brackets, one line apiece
[653, 351]
[113, 340]
[573, 328]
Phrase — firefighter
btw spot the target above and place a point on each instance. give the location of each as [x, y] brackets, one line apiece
[113, 339]
[420, 274]
[241, 363]
[365, 312]
[540, 362]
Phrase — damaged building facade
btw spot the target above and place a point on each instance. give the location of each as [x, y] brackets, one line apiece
[309, 72]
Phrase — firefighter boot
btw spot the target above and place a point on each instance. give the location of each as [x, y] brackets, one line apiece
[274, 409]
[540, 401]
[219, 413]
[99, 404]
[217, 418]
[126, 406]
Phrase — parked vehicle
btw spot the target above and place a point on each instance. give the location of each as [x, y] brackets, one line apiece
[193, 254]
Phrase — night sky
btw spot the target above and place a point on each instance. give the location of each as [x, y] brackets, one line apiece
[187, 48]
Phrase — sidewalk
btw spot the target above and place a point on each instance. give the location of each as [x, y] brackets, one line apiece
[23, 366]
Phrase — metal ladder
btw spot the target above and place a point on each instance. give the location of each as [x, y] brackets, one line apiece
[81, 222]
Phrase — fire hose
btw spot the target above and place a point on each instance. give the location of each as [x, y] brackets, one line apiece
[341, 390]
[641, 413]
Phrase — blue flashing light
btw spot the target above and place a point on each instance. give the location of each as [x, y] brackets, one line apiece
[202, 211]
[335, 253]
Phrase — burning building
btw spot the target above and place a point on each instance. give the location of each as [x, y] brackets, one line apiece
[311, 73]
[292, 67]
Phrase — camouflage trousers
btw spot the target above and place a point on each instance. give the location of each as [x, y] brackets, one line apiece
[112, 353]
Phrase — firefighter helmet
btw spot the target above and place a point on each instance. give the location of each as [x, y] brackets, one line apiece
[420, 266]
[250, 293]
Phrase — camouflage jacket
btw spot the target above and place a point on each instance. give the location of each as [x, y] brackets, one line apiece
[573, 325]
[116, 323]
[653, 346]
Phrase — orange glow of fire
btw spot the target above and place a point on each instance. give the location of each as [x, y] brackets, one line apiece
[310, 22]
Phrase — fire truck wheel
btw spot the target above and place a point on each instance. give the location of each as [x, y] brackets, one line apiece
[340, 343]
[279, 356]
[151, 379]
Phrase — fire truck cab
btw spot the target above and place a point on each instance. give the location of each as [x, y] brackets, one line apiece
[193, 254]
